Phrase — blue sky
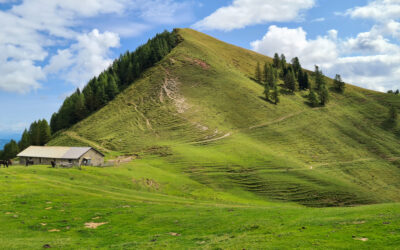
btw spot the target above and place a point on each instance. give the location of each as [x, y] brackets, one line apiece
[50, 48]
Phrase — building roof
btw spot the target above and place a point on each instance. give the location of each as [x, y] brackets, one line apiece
[70, 153]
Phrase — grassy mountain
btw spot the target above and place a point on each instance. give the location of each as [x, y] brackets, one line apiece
[216, 166]
[200, 109]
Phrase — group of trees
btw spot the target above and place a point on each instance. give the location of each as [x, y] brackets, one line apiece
[104, 88]
[397, 92]
[39, 134]
[319, 95]
[294, 78]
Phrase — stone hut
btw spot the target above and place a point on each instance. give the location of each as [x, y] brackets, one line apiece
[63, 156]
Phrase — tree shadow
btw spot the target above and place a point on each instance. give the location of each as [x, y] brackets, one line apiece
[267, 100]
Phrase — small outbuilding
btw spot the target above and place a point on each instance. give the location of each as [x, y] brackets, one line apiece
[64, 156]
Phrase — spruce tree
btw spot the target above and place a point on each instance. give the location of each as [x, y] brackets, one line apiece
[45, 132]
[276, 61]
[10, 150]
[313, 98]
[290, 81]
[323, 95]
[25, 141]
[267, 89]
[338, 83]
[319, 78]
[275, 94]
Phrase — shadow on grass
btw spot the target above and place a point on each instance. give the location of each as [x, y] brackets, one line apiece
[267, 100]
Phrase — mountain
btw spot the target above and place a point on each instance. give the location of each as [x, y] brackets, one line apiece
[200, 109]
[203, 161]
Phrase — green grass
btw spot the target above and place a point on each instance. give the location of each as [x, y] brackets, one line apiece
[218, 165]
[142, 215]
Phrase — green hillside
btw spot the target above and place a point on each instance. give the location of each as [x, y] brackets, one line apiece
[199, 109]
[216, 166]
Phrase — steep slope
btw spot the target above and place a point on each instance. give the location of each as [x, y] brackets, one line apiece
[198, 112]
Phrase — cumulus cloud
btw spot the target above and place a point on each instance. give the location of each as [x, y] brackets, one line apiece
[242, 13]
[367, 60]
[35, 27]
[84, 59]
[379, 10]
[294, 42]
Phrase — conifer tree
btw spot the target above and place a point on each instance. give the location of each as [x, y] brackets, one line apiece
[290, 81]
[338, 83]
[10, 150]
[275, 94]
[276, 61]
[323, 95]
[45, 133]
[319, 78]
[313, 98]
[25, 141]
[303, 80]
[267, 89]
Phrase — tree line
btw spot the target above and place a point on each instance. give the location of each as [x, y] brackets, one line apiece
[39, 134]
[104, 88]
[294, 78]
[396, 92]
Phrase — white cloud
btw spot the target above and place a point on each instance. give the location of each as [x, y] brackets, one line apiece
[317, 20]
[376, 66]
[84, 59]
[242, 13]
[35, 27]
[379, 10]
[293, 42]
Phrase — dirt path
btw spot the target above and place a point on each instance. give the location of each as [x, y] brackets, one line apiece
[91, 143]
[213, 139]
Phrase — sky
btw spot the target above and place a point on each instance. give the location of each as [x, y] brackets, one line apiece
[48, 48]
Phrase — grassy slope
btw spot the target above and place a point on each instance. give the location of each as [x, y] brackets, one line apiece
[217, 164]
[338, 155]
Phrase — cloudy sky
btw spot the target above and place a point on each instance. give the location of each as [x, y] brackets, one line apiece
[48, 48]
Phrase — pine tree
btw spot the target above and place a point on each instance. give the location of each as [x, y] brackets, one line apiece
[313, 98]
[324, 95]
[276, 61]
[303, 80]
[258, 73]
[319, 78]
[296, 66]
[275, 94]
[80, 109]
[25, 141]
[267, 89]
[112, 88]
[10, 150]
[34, 134]
[290, 81]
[270, 79]
[45, 133]
[339, 84]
